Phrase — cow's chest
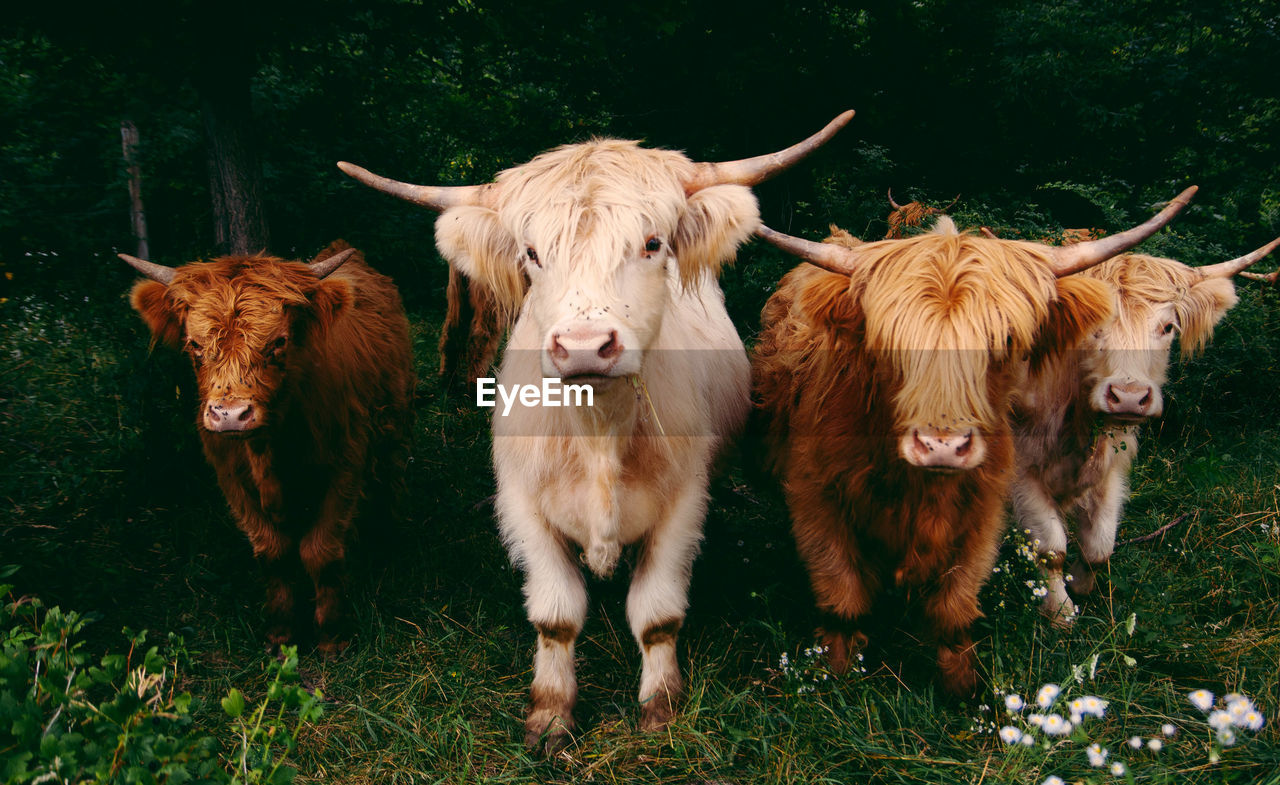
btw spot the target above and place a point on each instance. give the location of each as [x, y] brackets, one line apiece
[623, 493]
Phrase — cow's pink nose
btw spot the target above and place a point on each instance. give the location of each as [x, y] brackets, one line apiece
[581, 352]
[230, 414]
[1132, 399]
[942, 448]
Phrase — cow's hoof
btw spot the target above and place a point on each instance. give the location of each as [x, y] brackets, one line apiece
[1060, 611]
[1083, 578]
[656, 712]
[546, 734]
[956, 672]
[332, 649]
[841, 647]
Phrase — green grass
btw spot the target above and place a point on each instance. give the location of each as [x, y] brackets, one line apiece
[110, 510]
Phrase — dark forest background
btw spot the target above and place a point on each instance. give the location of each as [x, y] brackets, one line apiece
[1070, 113]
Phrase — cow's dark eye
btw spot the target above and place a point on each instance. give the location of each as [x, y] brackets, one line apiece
[277, 345]
[533, 256]
[194, 347]
[653, 245]
[1169, 327]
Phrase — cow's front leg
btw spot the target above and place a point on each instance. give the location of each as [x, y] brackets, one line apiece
[1035, 510]
[1099, 516]
[556, 602]
[842, 586]
[323, 550]
[656, 605]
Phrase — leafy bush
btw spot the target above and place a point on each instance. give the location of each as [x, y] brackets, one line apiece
[63, 719]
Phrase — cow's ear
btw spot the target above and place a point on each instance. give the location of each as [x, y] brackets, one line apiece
[474, 241]
[331, 297]
[164, 316]
[715, 222]
[1082, 306]
[1201, 309]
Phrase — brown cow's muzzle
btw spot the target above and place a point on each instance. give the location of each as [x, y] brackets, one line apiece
[943, 448]
[230, 415]
[1130, 402]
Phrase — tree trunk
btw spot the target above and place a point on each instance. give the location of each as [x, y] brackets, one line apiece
[235, 173]
[137, 216]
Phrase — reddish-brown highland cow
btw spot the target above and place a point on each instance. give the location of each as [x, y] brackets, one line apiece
[883, 383]
[305, 381]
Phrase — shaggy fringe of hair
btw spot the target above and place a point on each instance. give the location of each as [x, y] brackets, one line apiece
[1199, 304]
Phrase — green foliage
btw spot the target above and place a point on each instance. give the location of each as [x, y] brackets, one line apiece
[65, 719]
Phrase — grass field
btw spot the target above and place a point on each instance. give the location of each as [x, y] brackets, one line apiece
[108, 508]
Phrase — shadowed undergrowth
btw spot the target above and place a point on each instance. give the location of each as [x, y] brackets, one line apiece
[109, 509]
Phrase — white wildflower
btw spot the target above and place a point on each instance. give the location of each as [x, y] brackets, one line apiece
[1226, 736]
[1010, 735]
[1036, 719]
[1014, 703]
[1053, 779]
[1055, 725]
[1219, 719]
[1094, 705]
[1201, 699]
[1237, 707]
[1026, 740]
[1155, 745]
[1169, 729]
[1251, 720]
[1047, 695]
[1097, 755]
[1135, 742]
[1118, 769]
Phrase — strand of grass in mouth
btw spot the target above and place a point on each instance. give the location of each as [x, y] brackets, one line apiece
[641, 387]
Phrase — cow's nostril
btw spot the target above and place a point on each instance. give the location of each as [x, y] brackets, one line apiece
[1111, 395]
[557, 350]
[246, 414]
[965, 446]
[610, 348]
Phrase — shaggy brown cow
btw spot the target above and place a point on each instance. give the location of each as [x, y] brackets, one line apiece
[305, 379]
[884, 386]
[1076, 418]
[910, 216]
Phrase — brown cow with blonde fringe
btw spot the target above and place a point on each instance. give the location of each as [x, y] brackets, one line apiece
[305, 381]
[882, 386]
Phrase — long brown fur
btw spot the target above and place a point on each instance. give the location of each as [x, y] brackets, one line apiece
[328, 364]
[931, 327]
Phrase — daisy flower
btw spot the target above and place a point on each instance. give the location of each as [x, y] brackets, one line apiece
[1047, 695]
[1014, 703]
[1226, 736]
[1251, 720]
[1053, 779]
[1055, 725]
[1155, 745]
[1010, 735]
[1094, 705]
[1201, 699]
[1097, 755]
[1118, 769]
[1219, 719]
[1036, 720]
[1169, 729]
[1135, 742]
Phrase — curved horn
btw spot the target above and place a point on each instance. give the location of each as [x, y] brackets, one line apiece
[434, 197]
[328, 264]
[986, 232]
[824, 255]
[953, 203]
[1237, 265]
[892, 203]
[156, 272]
[1265, 277]
[1081, 256]
[750, 171]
